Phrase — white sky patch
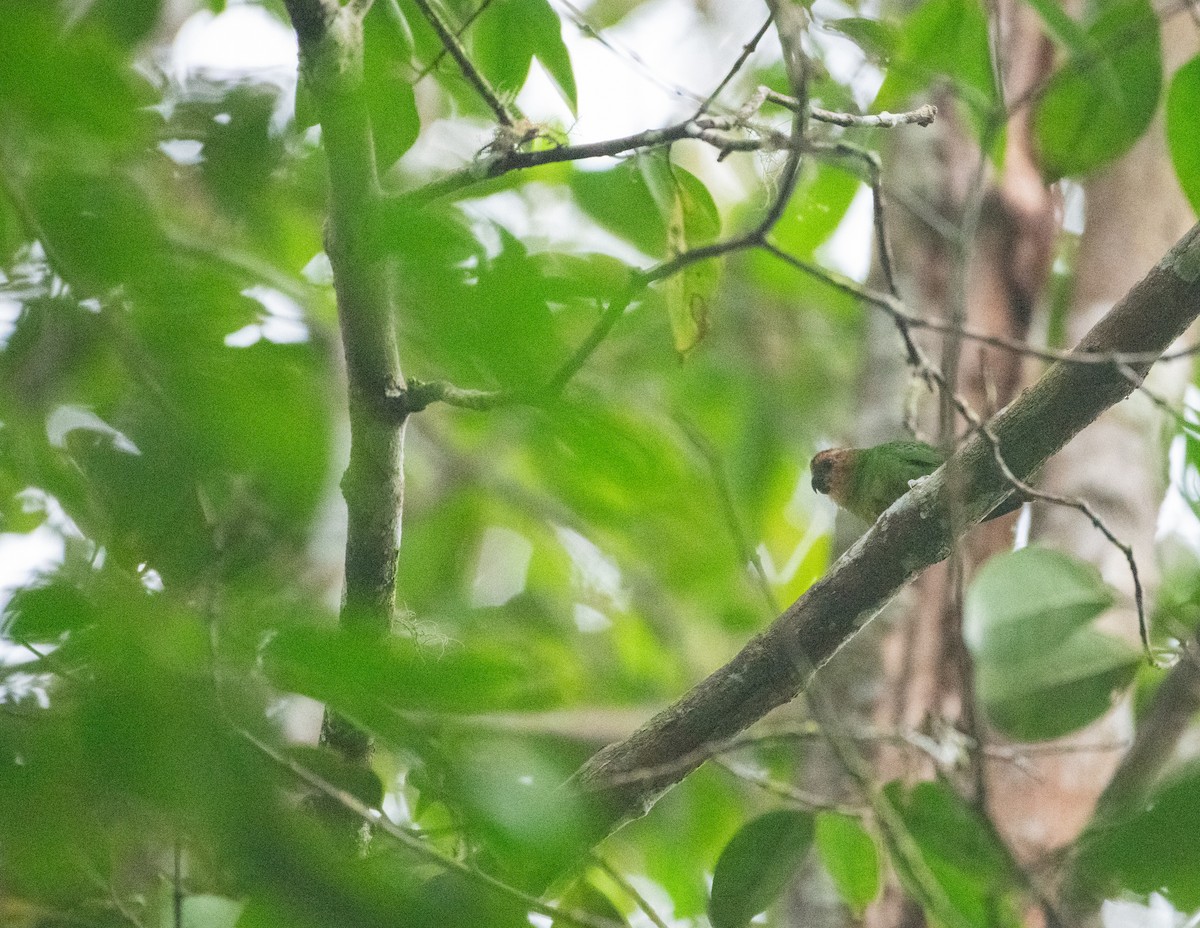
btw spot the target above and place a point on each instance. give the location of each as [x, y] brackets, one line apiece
[851, 246]
[10, 312]
[318, 271]
[1156, 913]
[26, 555]
[184, 152]
[589, 619]
[242, 42]
[501, 567]
[239, 40]
[593, 572]
[65, 419]
[282, 322]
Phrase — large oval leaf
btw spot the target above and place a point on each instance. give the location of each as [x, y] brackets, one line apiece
[1183, 103]
[1040, 670]
[1059, 691]
[1027, 602]
[1154, 850]
[1102, 101]
[849, 854]
[756, 865]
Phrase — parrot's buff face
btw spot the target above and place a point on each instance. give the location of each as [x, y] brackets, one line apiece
[831, 472]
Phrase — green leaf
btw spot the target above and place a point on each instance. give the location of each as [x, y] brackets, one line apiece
[509, 34]
[878, 39]
[44, 612]
[360, 782]
[619, 199]
[549, 48]
[391, 102]
[942, 40]
[1040, 671]
[757, 864]
[960, 852]
[369, 680]
[691, 219]
[815, 210]
[1183, 103]
[1026, 602]
[1064, 30]
[1097, 106]
[849, 854]
[1153, 849]
[1058, 691]
[585, 897]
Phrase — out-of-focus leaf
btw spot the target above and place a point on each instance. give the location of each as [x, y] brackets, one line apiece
[620, 200]
[387, 65]
[1023, 603]
[971, 869]
[360, 782]
[44, 612]
[101, 229]
[509, 34]
[585, 897]
[1064, 30]
[877, 38]
[1153, 848]
[1183, 102]
[453, 900]
[510, 793]
[1041, 671]
[375, 681]
[1097, 106]
[240, 151]
[946, 40]
[1060, 691]
[77, 82]
[490, 325]
[127, 21]
[757, 864]
[849, 854]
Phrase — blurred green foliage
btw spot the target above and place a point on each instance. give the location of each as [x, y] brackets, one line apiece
[171, 429]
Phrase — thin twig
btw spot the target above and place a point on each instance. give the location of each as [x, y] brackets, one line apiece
[629, 889]
[895, 308]
[747, 51]
[800, 797]
[922, 116]
[746, 552]
[1080, 505]
[473, 75]
[461, 31]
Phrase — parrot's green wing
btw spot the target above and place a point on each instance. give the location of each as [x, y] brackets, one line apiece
[884, 472]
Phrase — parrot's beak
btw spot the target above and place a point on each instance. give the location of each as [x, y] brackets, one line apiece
[822, 471]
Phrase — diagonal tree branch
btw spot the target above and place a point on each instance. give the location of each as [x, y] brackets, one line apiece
[915, 533]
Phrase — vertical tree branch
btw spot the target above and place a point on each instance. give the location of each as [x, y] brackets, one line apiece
[331, 64]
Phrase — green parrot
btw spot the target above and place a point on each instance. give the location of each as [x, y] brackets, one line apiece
[866, 481]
